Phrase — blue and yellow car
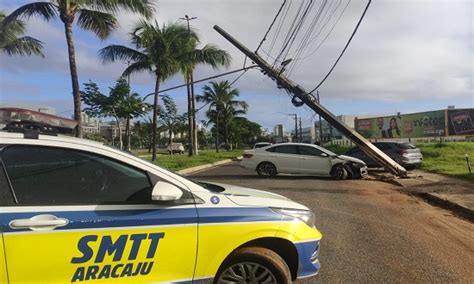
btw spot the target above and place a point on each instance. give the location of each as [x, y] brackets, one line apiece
[74, 211]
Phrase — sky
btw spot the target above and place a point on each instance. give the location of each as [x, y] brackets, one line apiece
[407, 56]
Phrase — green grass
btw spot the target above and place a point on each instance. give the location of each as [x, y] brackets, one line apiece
[178, 162]
[448, 158]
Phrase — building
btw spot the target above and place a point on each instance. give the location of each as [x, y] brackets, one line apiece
[90, 125]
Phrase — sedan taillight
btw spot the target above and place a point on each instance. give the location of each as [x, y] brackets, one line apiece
[247, 155]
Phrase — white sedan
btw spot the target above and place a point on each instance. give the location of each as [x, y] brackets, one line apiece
[300, 158]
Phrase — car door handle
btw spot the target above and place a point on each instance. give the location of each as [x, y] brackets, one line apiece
[44, 222]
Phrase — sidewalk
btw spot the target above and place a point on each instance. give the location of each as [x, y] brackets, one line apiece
[450, 193]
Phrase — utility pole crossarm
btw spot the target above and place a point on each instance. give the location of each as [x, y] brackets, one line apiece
[368, 148]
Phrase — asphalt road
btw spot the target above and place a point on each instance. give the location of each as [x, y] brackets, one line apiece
[371, 231]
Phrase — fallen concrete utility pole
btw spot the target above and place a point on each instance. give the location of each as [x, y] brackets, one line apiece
[298, 92]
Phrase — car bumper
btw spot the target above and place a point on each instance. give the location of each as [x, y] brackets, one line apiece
[308, 255]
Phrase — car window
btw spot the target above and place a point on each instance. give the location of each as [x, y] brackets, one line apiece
[5, 193]
[310, 151]
[286, 149]
[47, 175]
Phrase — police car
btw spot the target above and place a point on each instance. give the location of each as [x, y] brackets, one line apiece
[74, 210]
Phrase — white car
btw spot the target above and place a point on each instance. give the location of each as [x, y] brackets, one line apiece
[300, 158]
[175, 148]
[74, 210]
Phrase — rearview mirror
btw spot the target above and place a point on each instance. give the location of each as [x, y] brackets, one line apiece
[164, 191]
[324, 154]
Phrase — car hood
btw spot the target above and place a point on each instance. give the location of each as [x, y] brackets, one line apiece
[253, 197]
[350, 159]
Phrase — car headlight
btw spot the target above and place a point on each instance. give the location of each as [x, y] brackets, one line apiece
[358, 165]
[307, 216]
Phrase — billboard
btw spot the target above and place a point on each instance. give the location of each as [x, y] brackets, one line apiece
[424, 124]
[379, 127]
[461, 121]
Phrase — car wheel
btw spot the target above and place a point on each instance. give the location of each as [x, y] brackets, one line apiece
[339, 172]
[266, 169]
[253, 265]
[409, 167]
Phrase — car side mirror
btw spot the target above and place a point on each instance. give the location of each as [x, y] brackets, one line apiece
[324, 155]
[164, 191]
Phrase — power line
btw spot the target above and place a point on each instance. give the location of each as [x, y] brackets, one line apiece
[271, 25]
[345, 47]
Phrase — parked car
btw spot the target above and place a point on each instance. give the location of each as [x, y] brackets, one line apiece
[175, 148]
[406, 154]
[75, 210]
[299, 158]
[261, 144]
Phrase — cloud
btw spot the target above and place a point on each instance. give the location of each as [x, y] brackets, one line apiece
[404, 51]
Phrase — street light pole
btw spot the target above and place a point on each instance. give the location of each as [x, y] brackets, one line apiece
[320, 124]
[295, 117]
[191, 104]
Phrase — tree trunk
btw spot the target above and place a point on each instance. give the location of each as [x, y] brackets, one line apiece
[217, 132]
[170, 132]
[120, 132]
[226, 134]
[193, 107]
[74, 78]
[127, 134]
[190, 122]
[154, 124]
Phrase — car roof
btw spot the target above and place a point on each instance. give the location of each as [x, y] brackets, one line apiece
[5, 136]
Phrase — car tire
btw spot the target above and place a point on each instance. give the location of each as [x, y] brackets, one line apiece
[266, 169]
[339, 172]
[253, 265]
[409, 167]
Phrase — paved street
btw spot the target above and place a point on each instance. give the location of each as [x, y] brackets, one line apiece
[372, 232]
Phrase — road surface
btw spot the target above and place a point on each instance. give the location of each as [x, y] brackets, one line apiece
[371, 232]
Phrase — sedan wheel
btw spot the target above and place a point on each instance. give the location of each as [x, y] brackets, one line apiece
[266, 169]
[254, 265]
[339, 172]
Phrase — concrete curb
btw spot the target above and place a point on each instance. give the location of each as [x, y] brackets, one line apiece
[457, 209]
[206, 166]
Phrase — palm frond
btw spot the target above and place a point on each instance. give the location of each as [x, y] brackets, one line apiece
[142, 7]
[114, 52]
[45, 10]
[24, 46]
[137, 67]
[101, 23]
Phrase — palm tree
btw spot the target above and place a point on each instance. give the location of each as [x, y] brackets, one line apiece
[232, 109]
[157, 51]
[11, 44]
[210, 55]
[96, 16]
[222, 106]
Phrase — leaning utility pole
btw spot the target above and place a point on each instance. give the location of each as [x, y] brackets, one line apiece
[192, 133]
[304, 98]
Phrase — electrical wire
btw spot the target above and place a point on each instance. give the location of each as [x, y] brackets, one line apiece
[271, 25]
[345, 47]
